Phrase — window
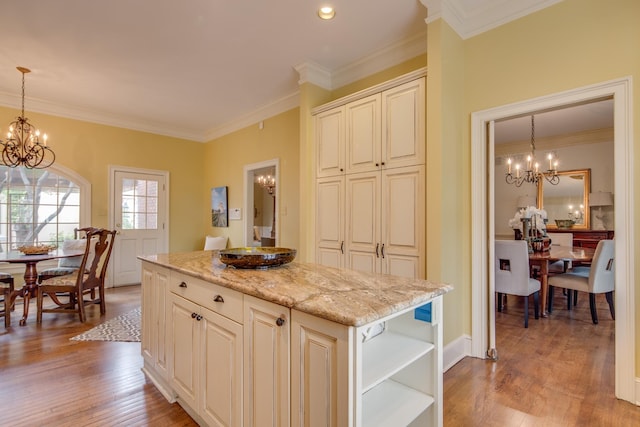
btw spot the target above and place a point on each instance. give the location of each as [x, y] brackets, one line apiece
[40, 206]
[139, 204]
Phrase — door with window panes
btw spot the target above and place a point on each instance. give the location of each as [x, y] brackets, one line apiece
[139, 216]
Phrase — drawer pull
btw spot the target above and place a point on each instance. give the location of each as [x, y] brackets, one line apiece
[193, 315]
[198, 318]
[280, 321]
[183, 285]
[218, 298]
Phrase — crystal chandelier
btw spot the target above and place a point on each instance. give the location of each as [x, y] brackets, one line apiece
[532, 173]
[268, 182]
[23, 146]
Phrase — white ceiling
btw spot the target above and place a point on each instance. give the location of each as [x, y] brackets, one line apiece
[198, 69]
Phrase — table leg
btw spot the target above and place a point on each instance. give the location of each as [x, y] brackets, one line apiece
[29, 290]
[544, 287]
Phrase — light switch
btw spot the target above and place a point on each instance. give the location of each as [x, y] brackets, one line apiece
[235, 213]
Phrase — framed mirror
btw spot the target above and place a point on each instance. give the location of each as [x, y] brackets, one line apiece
[567, 203]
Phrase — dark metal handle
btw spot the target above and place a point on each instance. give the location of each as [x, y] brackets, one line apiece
[218, 298]
[341, 170]
[377, 253]
[377, 165]
[198, 318]
[382, 251]
[280, 321]
[382, 163]
[183, 285]
[342, 247]
[193, 315]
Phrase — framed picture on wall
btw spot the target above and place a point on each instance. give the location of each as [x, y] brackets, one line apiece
[219, 211]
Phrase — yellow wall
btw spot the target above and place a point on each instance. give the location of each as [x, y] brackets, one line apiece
[224, 160]
[571, 44]
[89, 149]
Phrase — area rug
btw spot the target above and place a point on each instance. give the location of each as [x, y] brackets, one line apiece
[125, 327]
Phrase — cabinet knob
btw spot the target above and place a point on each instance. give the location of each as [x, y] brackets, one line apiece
[341, 170]
[198, 318]
[377, 165]
[183, 285]
[218, 298]
[280, 321]
[193, 315]
[382, 163]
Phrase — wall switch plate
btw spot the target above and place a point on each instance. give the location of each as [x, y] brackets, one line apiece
[235, 213]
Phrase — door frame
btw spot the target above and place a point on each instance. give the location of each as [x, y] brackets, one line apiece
[113, 169]
[483, 199]
[248, 198]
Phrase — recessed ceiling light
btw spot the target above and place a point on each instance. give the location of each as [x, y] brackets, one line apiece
[326, 12]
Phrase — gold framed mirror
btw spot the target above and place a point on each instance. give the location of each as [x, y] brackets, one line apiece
[568, 201]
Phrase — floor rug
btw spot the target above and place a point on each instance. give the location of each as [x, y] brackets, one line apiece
[125, 327]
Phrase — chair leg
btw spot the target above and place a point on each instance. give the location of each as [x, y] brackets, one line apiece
[569, 298]
[536, 304]
[526, 311]
[103, 305]
[39, 299]
[499, 301]
[609, 297]
[592, 306]
[575, 298]
[550, 300]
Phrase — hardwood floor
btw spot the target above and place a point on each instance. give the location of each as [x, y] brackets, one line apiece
[46, 379]
[558, 372]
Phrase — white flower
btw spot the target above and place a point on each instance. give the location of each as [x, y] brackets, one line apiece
[537, 216]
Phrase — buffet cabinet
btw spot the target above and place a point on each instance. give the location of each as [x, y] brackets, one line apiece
[231, 359]
[587, 238]
[370, 191]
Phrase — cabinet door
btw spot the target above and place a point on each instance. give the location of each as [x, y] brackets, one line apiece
[266, 363]
[185, 349]
[330, 222]
[154, 287]
[363, 134]
[148, 327]
[160, 314]
[403, 130]
[221, 370]
[363, 221]
[403, 221]
[320, 374]
[329, 128]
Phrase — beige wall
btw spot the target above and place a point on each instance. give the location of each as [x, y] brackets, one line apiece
[224, 161]
[571, 44]
[89, 149]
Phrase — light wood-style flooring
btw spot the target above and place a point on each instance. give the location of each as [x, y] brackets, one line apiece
[559, 372]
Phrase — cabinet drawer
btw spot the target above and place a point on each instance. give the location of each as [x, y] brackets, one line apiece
[218, 299]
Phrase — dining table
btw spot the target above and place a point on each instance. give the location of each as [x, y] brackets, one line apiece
[556, 253]
[30, 288]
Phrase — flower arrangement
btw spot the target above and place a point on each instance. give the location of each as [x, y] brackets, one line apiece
[537, 217]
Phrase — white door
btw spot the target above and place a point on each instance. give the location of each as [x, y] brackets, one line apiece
[139, 212]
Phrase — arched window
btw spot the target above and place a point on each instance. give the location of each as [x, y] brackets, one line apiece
[41, 205]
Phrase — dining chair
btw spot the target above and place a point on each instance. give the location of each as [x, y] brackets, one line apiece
[560, 239]
[599, 278]
[512, 275]
[65, 265]
[211, 243]
[6, 288]
[89, 277]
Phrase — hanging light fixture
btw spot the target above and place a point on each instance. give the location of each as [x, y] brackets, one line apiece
[269, 183]
[532, 173]
[23, 146]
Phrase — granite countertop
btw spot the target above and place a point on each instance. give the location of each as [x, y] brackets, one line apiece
[344, 296]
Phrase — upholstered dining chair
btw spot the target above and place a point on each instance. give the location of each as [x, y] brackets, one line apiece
[597, 279]
[512, 275]
[65, 265]
[6, 288]
[89, 277]
[560, 239]
[211, 243]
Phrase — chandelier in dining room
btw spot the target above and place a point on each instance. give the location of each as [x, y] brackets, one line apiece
[23, 146]
[533, 172]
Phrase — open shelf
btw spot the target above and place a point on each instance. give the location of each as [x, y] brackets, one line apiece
[393, 404]
[387, 354]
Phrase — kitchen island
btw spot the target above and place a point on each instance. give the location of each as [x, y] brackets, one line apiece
[301, 344]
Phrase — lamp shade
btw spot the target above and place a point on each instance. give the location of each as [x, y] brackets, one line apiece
[601, 198]
[525, 201]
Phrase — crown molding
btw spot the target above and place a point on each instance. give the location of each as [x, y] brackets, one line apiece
[310, 72]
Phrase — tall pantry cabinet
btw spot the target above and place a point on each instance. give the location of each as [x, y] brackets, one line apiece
[370, 186]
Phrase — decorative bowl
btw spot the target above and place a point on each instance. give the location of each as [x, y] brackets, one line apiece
[564, 223]
[257, 258]
[36, 249]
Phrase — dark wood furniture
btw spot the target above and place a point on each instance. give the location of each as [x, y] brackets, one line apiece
[587, 238]
[5, 291]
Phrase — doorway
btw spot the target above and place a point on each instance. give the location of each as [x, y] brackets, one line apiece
[261, 197]
[483, 232]
[138, 212]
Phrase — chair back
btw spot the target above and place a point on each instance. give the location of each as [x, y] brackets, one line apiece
[602, 274]
[561, 239]
[99, 243]
[512, 267]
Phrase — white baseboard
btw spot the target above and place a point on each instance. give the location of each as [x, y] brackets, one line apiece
[455, 351]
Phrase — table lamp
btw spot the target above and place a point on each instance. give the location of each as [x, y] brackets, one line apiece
[600, 199]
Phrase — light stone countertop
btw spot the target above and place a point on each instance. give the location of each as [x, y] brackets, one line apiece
[344, 296]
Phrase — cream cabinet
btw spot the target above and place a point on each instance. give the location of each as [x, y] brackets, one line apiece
[330, 154]
[330, 217]
[206, 353]
[266, 363]
[393, 379]
[154, 285]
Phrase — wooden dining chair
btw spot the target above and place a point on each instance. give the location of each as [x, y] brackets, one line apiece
[512, 275]
[67, 265]
[597, 279]
[6, 288]
[99, 243]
